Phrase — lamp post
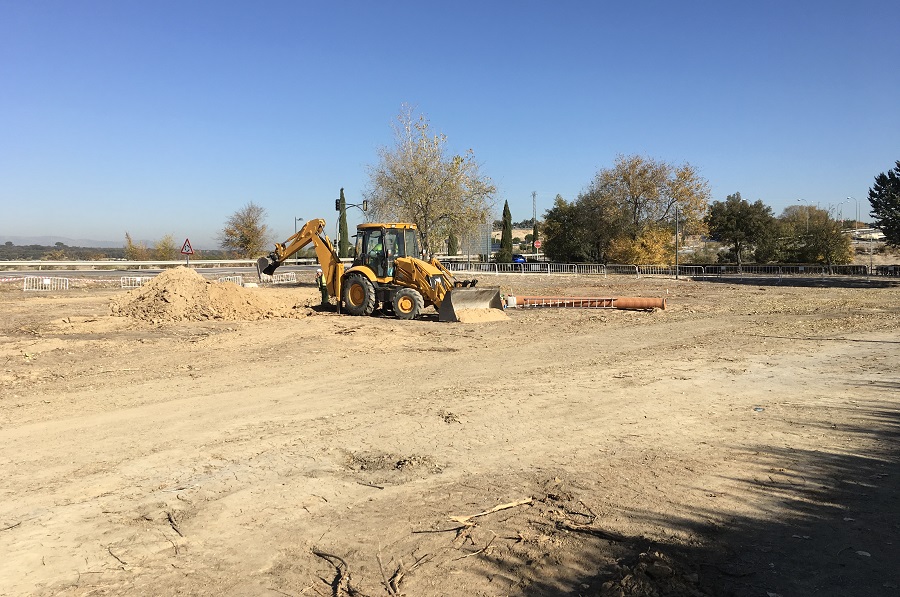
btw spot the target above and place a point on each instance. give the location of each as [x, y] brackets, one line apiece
[806, 209]
[856, 221]
[676, 241]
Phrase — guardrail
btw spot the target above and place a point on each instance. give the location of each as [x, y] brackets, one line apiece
[129, 265]
[532, 267]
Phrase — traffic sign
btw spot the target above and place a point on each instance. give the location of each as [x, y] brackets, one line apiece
[186, 248]
[537, 244]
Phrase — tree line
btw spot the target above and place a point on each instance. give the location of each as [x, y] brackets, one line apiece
[628, 213]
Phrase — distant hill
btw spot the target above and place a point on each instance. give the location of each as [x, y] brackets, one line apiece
[49, 241]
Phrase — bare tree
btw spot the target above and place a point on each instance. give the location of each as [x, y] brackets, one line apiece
[417, 181]
[245, 233]
[135, 251]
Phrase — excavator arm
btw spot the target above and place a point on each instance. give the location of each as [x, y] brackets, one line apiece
[312, 232]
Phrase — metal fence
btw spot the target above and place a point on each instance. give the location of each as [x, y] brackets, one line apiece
[285, 278]
[133, 282]
[670, 271]
[43, 283]
[239, 280]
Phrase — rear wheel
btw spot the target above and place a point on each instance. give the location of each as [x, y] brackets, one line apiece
[358, 295]
[408, 303]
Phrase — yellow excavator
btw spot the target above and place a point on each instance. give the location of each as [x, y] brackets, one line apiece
[388, 271]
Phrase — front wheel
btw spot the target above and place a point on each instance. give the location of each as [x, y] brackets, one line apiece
[358, 295]
[408, 303]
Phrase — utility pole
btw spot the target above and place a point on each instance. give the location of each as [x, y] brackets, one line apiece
[533, 220]
[676, 242]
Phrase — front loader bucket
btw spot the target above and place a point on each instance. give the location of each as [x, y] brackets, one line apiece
[460, 299]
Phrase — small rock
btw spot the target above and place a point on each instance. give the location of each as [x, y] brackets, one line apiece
[658, 570]
[864, 554]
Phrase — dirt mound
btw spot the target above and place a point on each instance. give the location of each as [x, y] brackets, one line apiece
[181, 294]
[653, 575]
[481, 315]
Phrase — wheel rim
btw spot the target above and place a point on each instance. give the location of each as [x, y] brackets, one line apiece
[404, 304]
[356, 295]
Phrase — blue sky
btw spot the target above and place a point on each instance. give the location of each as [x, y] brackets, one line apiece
[166, 117]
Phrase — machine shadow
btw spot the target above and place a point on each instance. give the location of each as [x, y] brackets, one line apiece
[833, 530]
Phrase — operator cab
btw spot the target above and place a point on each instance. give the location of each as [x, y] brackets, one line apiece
[378, 245]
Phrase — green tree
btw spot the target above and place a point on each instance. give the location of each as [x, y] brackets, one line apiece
[739, 224]
[344, 243]
[811, 235]
[603, 229]
[506, 241]
[245, 232]
[884, 196]
[563, 233]
[418, 181]
[165, 249]
[452, 244]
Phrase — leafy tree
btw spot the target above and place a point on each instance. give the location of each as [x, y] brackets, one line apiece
[135, 251]
[601, 220]
[563, 234]
[654, 245]
[344, 243]
[811, 235]
[884, 196]
[165, 249]
[740, 224]
[506, 240]
[452, 244]
[245, 234]
[57, 254]
[418, 181]
[646, 191]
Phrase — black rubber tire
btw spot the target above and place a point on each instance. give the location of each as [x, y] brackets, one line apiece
[358, 295]
[408, 303]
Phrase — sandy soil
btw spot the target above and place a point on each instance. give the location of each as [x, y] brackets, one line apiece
[742, 442]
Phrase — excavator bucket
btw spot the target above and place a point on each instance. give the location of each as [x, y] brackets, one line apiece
[265, 265]
[460, 300]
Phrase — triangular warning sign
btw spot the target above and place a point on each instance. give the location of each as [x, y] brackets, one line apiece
[186, 249]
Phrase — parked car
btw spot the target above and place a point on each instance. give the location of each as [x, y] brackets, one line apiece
[518, 259]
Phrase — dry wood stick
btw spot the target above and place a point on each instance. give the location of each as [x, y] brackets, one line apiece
[467, 519]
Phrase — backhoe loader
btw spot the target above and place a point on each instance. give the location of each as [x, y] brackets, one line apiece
[388, 271]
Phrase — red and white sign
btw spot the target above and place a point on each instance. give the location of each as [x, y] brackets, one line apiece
[537, 244]
[186, 248]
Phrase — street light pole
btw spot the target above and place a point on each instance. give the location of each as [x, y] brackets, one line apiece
[676, 241]
[806, 209]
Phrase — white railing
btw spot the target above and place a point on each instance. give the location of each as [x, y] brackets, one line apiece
[285, 278]
[239, 280]
[531, 267]
[133, 281]
[42, 283]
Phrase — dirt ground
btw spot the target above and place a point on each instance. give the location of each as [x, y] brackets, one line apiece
[742, 442]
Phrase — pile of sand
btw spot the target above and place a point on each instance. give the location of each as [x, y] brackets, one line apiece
[481, 315]
[181, 294]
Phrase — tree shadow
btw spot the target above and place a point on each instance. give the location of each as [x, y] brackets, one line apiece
[820, 521]
[803, 282]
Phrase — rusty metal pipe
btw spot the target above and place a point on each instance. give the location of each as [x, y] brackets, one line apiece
[633, 303]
